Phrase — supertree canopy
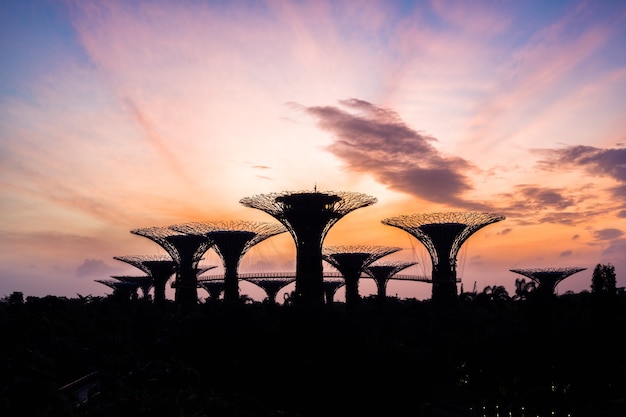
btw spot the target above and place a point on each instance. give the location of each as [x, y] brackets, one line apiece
[121, 288]
[309, 215]
[187, 251]
[231, 240]
[381, 272]
[351, 261]
[443, 234]
[159, 267]
[548, 278]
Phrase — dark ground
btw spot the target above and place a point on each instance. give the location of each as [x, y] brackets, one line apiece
[483, 357]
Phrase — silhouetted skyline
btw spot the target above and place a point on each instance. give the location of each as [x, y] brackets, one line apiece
[120, 115]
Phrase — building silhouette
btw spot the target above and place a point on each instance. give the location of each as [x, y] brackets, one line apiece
[231, 240]
[351, 262]
[187, 251]
[547, 278]
[443, 234]
[381, 272]
[309, 215]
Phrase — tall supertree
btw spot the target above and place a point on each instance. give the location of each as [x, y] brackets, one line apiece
[187, 251]
[547, 278]
[159, 268]
[309, 215]
[381, 272]
[231, 240]
[351, 261]
[443, 234]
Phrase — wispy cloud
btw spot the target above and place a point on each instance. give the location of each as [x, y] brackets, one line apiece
[596, 162]
[375, 140]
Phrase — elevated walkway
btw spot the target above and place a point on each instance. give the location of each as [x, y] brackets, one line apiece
[291, 276]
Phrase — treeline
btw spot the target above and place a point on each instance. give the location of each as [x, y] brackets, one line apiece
[489, 354]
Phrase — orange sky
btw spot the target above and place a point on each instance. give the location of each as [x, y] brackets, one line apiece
[118, 115]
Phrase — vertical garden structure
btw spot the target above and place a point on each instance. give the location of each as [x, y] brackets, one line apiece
[187, 251]
[547, 278]
[159, 268]
[231, 240]
[351, 262]
[443, 234]
[309, 215]
[382, 272]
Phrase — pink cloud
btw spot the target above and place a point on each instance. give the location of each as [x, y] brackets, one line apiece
[476, 18]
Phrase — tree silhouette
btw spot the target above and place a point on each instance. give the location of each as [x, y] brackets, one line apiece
[603, 279]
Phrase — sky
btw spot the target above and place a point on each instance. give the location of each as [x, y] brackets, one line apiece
[120, 115]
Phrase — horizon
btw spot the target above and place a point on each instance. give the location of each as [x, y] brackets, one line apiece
[127, 115]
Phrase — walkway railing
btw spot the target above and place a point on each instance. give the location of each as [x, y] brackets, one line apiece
[292, 276]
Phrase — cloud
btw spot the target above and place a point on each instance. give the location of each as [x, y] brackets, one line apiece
[375, 140]
[95, 268]
[608, 234]
[599, 162]
[565, 254]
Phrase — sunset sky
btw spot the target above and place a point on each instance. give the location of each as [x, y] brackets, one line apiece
[117, 115]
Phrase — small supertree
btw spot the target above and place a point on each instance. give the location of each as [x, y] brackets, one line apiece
[187, 251]
[121, 289]
[547, 278]
[351, 261]
[443, 234]
[309, 215]
[381, 272]
[231, 240]
[271, 286]
[159, 268]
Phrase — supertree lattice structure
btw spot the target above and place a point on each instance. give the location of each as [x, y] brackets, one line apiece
[309, 215]
[271, 286]
[548, 278]
[331, 285]
[187, 251]
[231, 240]
[381, 273]
[214, 287]
[351, 261]
[159, 268]
[122, 289]
[443, 234]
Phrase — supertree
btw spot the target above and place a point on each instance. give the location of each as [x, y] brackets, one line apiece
[547, 278]
[331, 285]
[351, 262]
[381, 272]
[309, 215]
[186, 251]
[443, 234]
[271, 285]
[158, 267]
[213, 286]
[121, 289]
[231, 240]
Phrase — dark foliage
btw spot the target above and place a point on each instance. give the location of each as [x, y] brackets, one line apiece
[485, 355]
